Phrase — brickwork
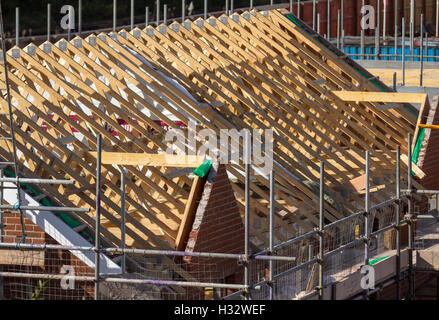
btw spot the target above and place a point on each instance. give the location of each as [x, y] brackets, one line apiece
[54, 260]
[218, 227]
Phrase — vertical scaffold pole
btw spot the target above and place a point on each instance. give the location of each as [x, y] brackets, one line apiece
[362, 45]
[384, 19]
[321, 228]
[377, 32]
[79, 17]
[48, 22]
[396, 30]
[328, 15]
[122, 214]
[205, 9]
[410, 214]
[342, 14]
[98, 215]
[314, 14]
[132, 15]
[146, 16]
[158, 12]
[437, 18]
[412, 28]
[366, 220]
[247, 156]
[403, 52]
[17, 26]
[165, 14]
[421, 49]
[318, 23]
[398, 222]
[271, 240]
[338, 28]
[183, 10]
[114, 15]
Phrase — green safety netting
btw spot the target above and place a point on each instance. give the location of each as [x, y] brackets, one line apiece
[45, 202]
[418, 146]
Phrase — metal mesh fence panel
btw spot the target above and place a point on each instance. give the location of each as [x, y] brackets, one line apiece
[339, 263]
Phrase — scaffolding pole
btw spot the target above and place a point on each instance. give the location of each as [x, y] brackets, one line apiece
[79, 17]
[314, 15]
[165, 14]
[247, 144]
[183, 10]
[132, 15]
[421, 69]
[122, 214]
[367, 220]
[122, 280]
[17, 26]
[396, 29]
[398, 223]
[410, 215]
[114, 15]
[321, 228]
[48, 22]
[328, 15]
[158, 12]
[146, 252]
[412, 27]
[377, 31]
[98, 216]
[271, 236]
[403, 52]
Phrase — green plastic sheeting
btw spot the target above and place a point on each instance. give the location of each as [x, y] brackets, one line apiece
[374, 261]
[418, 146]
[45, 202]
[203, 169]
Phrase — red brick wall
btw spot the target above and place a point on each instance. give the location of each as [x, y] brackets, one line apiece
[54, 260]
[218, 227]
[428, 159]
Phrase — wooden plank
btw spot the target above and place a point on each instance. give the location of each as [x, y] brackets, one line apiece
[387, 97]
[150, 160]
[32, 258]
[189, 213]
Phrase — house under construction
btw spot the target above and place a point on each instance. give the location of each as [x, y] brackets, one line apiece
[89, 195]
